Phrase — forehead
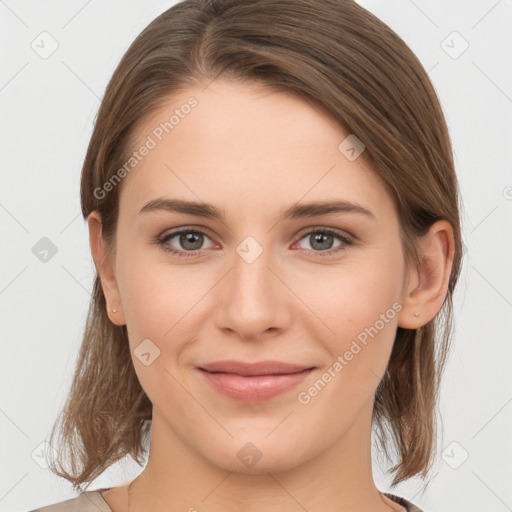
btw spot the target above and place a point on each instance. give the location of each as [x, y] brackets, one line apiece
[251, 144]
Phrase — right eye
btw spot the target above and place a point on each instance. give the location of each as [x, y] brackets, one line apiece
[190, 240]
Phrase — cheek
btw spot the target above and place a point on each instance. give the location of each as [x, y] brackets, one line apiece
[352, 295]
[164, 304]
[359, 353]
[356, 308]
[372, 323]
[157, 302]
[155, 294]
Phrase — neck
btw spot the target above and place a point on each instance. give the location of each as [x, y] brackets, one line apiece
[176, 477]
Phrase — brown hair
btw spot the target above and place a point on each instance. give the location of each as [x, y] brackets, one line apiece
[341, 57]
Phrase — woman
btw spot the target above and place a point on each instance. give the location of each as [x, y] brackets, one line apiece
[273, 215]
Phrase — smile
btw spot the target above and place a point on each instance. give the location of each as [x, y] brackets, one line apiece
[253, 388]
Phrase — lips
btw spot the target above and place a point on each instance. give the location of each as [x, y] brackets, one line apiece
[253, 382]
[253, 369]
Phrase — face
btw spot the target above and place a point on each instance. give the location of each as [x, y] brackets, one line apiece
[317, 289]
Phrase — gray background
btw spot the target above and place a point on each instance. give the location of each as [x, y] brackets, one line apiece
[47, 110]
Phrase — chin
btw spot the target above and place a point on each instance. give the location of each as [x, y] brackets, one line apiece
[257, 457]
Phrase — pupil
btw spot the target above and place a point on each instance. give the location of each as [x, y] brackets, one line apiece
[319, 238]
[194, 238]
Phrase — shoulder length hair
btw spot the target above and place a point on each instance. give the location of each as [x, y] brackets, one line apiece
[334, 53]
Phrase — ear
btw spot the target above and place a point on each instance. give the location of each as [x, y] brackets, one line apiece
[427, 286]
[106, 269]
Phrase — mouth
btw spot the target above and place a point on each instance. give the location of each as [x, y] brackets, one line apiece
[254, 369]
[253, 382]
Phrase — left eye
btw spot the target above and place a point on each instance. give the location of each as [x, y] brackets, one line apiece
[323, 239]
[191, 240]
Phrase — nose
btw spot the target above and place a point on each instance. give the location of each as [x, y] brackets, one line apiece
[253, 300]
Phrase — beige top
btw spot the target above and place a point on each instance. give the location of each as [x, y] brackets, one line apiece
[92, 501]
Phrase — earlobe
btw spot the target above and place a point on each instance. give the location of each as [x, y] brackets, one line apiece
[428, 285]
[105, 269]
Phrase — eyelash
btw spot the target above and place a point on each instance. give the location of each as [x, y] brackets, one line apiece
[162, 242]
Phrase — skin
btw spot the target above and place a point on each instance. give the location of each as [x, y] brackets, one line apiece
[253, 153]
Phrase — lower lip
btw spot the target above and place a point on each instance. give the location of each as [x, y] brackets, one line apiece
[254, 388]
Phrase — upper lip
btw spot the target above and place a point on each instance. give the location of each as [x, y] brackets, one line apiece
[257, 368]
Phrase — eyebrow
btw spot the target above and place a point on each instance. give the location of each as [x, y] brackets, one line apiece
[296, 211]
